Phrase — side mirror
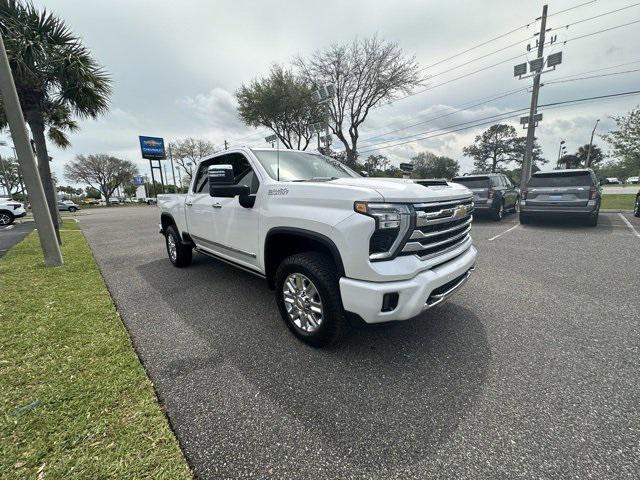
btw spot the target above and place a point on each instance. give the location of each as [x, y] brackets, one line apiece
[221, 184]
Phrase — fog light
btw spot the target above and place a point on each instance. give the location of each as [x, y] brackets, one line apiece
[389, 301]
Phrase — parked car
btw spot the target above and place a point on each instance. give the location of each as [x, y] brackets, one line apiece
[91, 201]
[573, 193]
[613, 181]
[633, 180]
[493, 193]
[327, 240]
[68, 206]
[636, 206]
[10, 210]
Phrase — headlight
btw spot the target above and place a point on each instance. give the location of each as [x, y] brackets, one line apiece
[392, 224]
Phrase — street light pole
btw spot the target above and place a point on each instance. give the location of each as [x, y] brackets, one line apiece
[559, 152]
[588, 161]
[15, 119]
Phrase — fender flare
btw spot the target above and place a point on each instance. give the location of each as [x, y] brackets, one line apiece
[315, 236]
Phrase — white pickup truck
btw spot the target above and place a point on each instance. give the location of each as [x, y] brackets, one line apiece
[328, 241]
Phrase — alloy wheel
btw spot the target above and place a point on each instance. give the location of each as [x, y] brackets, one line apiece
[171, 248]
[302, 302]
[5, 219]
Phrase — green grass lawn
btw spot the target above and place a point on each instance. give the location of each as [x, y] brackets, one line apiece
[75, 400]
[621, 201]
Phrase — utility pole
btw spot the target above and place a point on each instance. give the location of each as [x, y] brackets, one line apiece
[15, 119]
[226, 145]
[588, 161]
[531, 126]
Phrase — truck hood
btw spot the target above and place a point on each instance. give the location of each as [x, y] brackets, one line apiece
[404, 190]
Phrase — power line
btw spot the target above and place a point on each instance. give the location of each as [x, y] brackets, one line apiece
[459, 108]
[506, 115]
[571, 8]
[592, 76]
[599, 31]
[594, 17]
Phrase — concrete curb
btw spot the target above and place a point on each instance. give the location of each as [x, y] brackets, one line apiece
[614, 210]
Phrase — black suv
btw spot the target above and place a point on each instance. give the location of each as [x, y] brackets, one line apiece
[493, 193]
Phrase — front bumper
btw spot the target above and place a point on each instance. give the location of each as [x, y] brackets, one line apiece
[19, 212]
[414, 296]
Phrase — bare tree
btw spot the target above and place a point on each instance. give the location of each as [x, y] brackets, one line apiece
[188, 151]
[104, 172]
[365, 74]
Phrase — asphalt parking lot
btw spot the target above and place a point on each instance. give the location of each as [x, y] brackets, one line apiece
[13, 234]
[531, 371]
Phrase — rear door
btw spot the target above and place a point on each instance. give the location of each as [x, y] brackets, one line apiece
[478, 185]
[559, 189]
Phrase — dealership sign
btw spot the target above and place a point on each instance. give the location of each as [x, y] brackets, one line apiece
[152, 148]
[138, 180]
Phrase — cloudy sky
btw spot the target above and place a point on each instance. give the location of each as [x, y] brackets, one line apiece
[176, 65]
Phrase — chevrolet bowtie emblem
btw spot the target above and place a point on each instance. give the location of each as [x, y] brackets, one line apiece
[460, 211]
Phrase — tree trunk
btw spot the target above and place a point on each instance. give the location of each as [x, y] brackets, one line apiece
[36, 124]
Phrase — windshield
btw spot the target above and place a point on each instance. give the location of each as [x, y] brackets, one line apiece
[473, 182]
[560, 179]
[301, 166]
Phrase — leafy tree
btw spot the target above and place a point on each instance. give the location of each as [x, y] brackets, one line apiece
[283, 103]
[429, 165]
[188, 151]
[519, 147]
[365, 73]
[101, 171]
[625, 139]
[570, 161]
[376, 164]
[494, 147]
[596, 155]
[69, 190]
[9, 175]
[92, 192]
[55, 77]
[130, 190]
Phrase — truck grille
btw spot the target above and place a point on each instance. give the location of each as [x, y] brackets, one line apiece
[440, 227]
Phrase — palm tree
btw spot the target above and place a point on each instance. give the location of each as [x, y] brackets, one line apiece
[56, 78]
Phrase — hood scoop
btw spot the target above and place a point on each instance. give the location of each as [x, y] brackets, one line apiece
[432, 182]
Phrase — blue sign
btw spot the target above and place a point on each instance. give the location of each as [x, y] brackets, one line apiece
[138, 180]
[152, 148]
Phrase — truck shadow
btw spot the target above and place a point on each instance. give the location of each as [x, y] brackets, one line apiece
[386, 396]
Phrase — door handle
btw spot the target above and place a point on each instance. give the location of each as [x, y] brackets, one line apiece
[216, 205]
[188, 204]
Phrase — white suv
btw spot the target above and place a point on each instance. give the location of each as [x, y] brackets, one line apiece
[327, 240]
[10, 210]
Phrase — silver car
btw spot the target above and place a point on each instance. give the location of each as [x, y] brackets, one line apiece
[572, 193]
[68, 206]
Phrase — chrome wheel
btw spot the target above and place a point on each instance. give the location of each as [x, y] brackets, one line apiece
[5, 219]
[171, 248]
[302, 302]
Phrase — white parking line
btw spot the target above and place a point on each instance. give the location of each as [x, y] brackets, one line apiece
[506, 231]
[629, 225]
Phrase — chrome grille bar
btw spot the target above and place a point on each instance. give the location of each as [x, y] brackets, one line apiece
[417, 246]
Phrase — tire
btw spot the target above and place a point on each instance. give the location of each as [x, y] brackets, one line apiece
[318, 273]
[182, 254]
[636, 207]
[516, 206]
[592, 220]
[524, 219]
[498, 213]
[6, 218]
[72, 209]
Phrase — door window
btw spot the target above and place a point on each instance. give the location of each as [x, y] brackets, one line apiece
[242, 172]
